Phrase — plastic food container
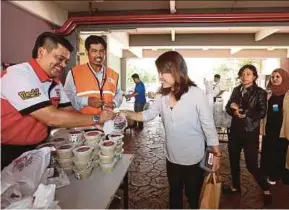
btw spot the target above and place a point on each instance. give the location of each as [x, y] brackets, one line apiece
[83, 152]
[76, 136]
[65, 163]
[116, 137]
[118, 155]
[59, 141]
[82, 174]
[108, 167]
[68, 170]
[108, 147]
[105, 159]
[94, 136]
[65, 151]
[118, 147]
[48, 144]
[82, 164]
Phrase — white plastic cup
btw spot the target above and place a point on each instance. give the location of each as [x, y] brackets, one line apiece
[65, 151]
[83, 152]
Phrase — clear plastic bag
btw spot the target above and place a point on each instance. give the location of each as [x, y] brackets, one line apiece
[23, 175]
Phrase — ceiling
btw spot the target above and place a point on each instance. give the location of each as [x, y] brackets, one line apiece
[132, 5]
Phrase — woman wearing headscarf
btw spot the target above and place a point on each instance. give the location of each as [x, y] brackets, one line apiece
[275, 128]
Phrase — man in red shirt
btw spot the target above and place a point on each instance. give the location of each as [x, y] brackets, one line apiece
[32, 99]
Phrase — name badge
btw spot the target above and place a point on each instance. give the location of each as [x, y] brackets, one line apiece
[275, 108]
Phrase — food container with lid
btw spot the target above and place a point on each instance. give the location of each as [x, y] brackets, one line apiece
[93, 136]
[65, 151]
[116, 137]
[108, 167]
[119, 147]
[82, 174]
[118, 155]
[65, 162]
[82, 164]
[59, 141]
[108, 147]
[76, 136]
[106, 159]
[83, 153]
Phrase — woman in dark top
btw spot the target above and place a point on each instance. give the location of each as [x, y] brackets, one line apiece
[247, 106]
[275, 141]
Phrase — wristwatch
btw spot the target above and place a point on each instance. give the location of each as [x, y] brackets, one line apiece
[96, 118]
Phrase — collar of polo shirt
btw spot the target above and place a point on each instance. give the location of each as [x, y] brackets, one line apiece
[41, 74]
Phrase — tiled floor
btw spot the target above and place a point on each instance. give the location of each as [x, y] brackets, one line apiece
[148, 185]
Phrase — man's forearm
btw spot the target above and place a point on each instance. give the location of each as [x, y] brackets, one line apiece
[60, 118]
[71, 119]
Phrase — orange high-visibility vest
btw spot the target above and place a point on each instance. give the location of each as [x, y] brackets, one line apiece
[87, 84]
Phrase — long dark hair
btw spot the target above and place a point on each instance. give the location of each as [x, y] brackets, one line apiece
[172, 62]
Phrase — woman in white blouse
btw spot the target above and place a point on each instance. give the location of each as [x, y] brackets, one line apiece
[188, 123]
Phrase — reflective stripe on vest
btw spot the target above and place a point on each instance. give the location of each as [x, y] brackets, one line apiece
[95, 92]
[87, 84]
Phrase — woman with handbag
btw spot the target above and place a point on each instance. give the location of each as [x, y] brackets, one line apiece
[247, 106]
[188, 123]
[275, 128]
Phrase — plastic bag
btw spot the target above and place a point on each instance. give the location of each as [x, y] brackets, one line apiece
[115, 126]
[23, 175]
[44, 196]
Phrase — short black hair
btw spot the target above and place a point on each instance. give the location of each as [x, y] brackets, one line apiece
[93, 39]
[135, 76]
[251, 67]
[217, 76]
[50, 40]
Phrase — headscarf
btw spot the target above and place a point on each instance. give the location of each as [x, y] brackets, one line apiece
[284, 86]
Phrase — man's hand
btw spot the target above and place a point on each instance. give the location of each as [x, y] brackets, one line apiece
[95, 102]
[110, 105]
[105, 115]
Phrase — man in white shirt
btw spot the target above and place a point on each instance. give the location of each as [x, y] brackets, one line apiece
[217, 87]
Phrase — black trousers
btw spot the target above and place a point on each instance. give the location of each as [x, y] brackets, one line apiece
[11, 152]
[138, 108]
[249, 142]
[180, 176]
[273, 156]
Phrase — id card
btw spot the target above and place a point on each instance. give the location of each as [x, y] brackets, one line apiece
[275, 108]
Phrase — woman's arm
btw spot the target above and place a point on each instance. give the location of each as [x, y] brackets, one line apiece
[147, 115]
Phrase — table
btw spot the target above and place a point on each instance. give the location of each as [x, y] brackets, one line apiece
[97, 191]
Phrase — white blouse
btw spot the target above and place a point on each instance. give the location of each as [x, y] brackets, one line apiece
[187, 126]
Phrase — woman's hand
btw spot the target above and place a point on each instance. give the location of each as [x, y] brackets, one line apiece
[234, 106]
[216, 163]
[127, 113]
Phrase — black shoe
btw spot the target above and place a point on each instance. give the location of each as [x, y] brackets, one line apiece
[267, 199]
[231, 190]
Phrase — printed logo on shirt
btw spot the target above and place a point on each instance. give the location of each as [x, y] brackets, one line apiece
[33, 93]
[57, 92]
[111, 80]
